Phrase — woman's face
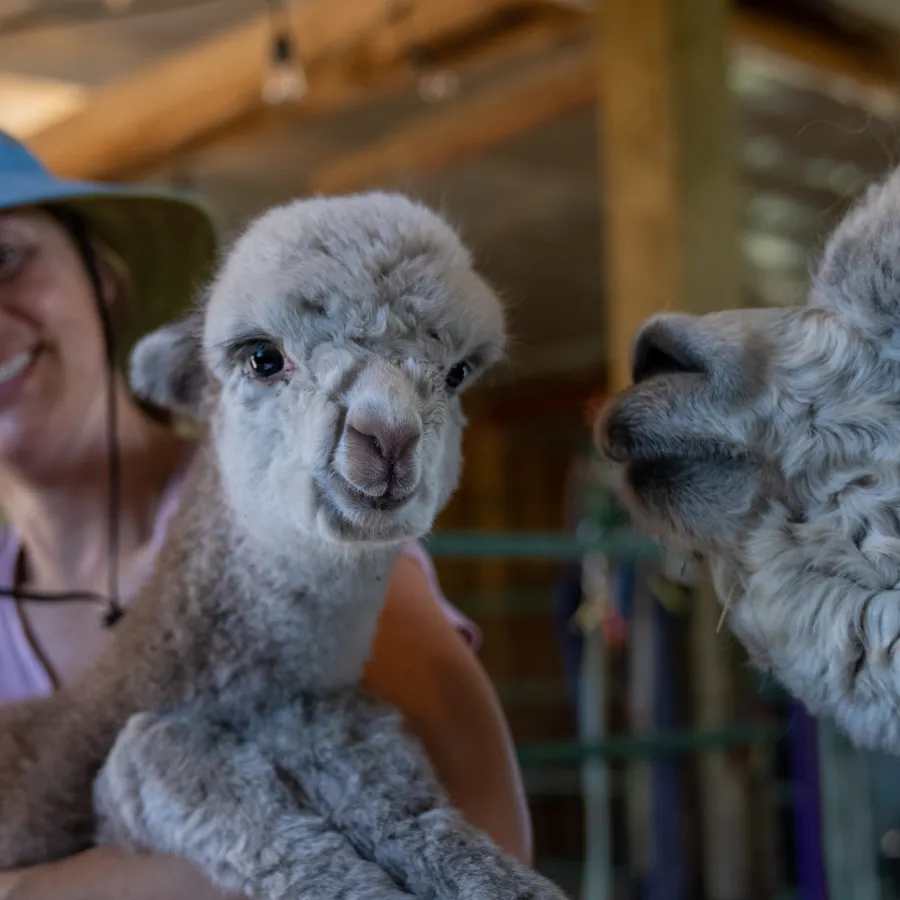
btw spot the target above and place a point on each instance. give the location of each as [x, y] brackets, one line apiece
[51, 344]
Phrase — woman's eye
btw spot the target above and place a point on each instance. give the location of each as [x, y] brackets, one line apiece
[10, 259]
[458, 374]
[266, 360]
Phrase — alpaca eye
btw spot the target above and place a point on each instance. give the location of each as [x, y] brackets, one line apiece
[458, 374]
[266, 360]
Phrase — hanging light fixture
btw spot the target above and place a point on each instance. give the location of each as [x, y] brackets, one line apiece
[285, 80]
[433, 85]
[438, 86]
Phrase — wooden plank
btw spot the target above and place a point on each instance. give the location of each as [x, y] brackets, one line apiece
[162, 106]
[416, 24]
[848, 820]
[670, 238]
[340, 85]
[526, 99]
[866, 66]
[348, 46]
[29, 104]
[668, 167]
[464, 127]
[638, 168]
[488, 479]
[845, 56]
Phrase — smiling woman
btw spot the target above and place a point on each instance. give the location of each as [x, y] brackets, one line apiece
[75, 258]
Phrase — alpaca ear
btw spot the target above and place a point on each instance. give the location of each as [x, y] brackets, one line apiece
[859, 275]
[167, 368]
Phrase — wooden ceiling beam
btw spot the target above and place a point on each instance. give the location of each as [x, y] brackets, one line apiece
[352, 50]
[548, 88]
[338, 86]
[463, 127]
[341, 85]
[869, 68]
[160, 107]
[849, 56]
[864, 63]
[29, 104]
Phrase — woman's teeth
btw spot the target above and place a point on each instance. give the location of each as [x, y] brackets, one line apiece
[15, 366]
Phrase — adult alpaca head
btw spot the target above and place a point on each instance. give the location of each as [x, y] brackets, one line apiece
[329, 360]
[769, 441]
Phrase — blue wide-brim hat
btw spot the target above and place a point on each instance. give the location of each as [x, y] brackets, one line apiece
[167, 239]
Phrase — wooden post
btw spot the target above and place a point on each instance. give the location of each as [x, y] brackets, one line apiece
[848, 820]
[487, 477]
[667, 164]
[670, 240]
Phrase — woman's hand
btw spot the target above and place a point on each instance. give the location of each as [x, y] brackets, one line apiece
[108, 873]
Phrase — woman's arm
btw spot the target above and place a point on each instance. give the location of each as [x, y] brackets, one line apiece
[421, 665]
[107, 873]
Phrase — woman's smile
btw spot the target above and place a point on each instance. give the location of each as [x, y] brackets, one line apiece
[15, 371]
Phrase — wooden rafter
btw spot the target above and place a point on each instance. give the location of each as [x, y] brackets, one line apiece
[669, 231]
[356, 49]
[152, 111]
[868, 68]
[549, 87]
[28, 104]
[463, 127]
[342, 84]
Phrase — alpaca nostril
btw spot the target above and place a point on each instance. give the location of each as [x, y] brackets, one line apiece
[658, 352]
[372, 440]
[615, 438]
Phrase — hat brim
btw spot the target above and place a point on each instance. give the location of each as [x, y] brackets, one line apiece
[168, 241]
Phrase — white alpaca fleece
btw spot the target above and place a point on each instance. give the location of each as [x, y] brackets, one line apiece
[768, 441]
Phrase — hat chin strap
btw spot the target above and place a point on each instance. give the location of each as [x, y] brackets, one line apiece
[113, 608]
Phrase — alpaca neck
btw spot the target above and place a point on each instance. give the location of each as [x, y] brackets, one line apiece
[304, 620]
[319, 610]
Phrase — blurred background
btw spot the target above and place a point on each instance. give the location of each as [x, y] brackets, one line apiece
[604, 160]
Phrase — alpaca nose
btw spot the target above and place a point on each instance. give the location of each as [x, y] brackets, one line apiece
[389, 443]
[661, 349]
[380, 454]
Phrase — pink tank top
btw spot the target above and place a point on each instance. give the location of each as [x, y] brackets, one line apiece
[23, 674]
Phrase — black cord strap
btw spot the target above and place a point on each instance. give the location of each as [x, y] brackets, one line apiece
[77, 228]
[114, 609]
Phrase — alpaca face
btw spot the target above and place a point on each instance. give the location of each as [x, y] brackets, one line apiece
[732, 411]
[340, 335]
[769, 441]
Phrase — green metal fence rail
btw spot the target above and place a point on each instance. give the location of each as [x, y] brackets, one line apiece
[537, 546]
[668, 743]
[604, 535]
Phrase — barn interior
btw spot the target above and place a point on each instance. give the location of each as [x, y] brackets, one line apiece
[604, 160]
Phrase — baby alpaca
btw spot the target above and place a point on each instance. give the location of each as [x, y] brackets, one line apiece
[226, 722]
[769, 441]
